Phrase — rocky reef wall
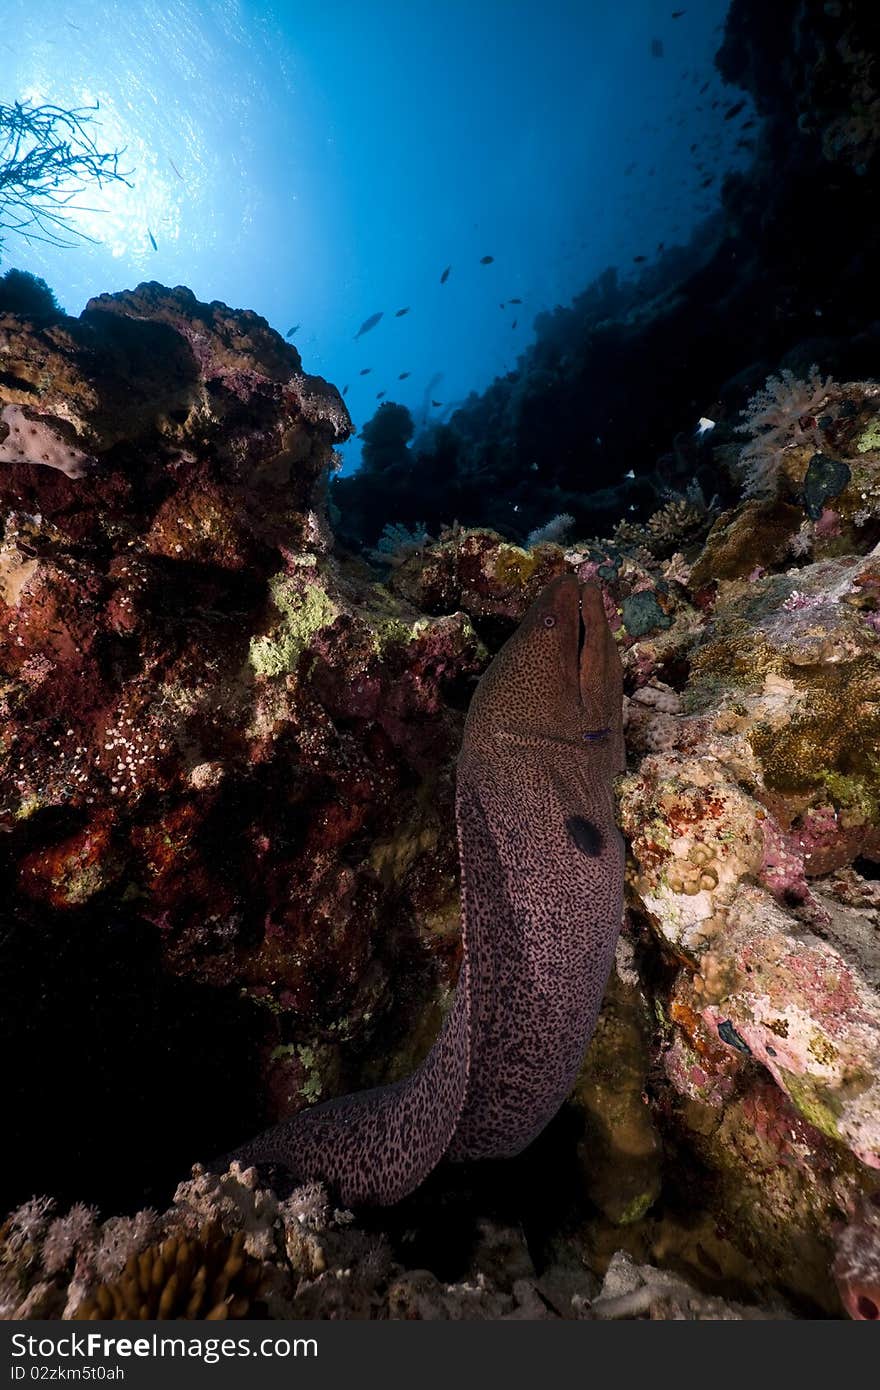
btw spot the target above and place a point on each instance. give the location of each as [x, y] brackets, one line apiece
[226, 762]
[228, 869]
[229, 865]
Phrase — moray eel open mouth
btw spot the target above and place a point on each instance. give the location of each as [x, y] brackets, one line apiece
[582, 632]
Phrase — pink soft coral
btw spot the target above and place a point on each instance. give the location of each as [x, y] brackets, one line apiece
[779, 415]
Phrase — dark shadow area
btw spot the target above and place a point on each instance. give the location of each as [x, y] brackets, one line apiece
[114, 1077]
[539, 1191]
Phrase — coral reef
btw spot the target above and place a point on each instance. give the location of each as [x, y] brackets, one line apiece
[226, 755]
[630, 1290]
[206, 1276]
[751, 808]
[857, 1261]
[229, 1248]
[779, 415]
[620, 1150]
[228, 872]
[477, 572]
[26, 294]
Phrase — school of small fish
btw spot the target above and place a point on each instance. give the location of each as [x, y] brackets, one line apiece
[706, 177]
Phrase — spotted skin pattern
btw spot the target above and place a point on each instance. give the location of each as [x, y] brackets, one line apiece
[542, 901]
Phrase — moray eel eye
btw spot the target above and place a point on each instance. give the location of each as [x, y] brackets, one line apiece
[549, 621]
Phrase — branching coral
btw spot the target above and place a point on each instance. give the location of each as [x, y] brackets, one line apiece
[676, 522]
[67, 1235]
[47, 159]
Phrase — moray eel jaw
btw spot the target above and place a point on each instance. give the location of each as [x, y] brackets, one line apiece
[600, 674]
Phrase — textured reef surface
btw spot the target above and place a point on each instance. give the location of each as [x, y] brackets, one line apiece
[227, 1247]
[228, 868]
[224, 755]
[229, 858]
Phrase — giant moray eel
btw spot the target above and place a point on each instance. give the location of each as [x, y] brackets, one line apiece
[542, 900]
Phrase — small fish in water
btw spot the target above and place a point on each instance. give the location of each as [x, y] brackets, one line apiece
[733, 110]
[515, 322]
[400, 313]
[379, 395]
[152, 240]
[501, 305]
[445, 276]
[345, 390]
[295, 329]
[403, 376]
[703, 90]
[514, 301]
[656, 48]
[710, 179]
[365, 371]
[677, 14]
[175, 168]
[486, 260]
[638, 259]
[368, 324]
[436, 402]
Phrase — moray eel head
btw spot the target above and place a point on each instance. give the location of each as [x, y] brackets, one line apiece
[558, 677]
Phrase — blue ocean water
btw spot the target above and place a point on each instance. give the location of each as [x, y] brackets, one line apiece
[324, 162]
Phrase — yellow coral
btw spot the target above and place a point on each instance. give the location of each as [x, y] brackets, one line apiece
[204, 1277]
[514, 566]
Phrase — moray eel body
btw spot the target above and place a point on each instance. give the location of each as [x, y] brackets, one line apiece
[542, 901]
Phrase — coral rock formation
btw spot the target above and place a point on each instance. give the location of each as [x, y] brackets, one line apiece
[218, 742]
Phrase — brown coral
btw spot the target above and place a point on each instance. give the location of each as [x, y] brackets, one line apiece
[677, 521]
[206, 1277]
